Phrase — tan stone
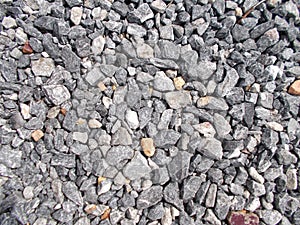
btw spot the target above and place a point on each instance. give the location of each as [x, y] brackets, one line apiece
[148, 146]
[37, 135]
[295, 88]
[178, 83]
[102, 86]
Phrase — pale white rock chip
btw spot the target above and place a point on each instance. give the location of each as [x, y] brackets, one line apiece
[76, 14]
[98, 45]
[43, 67]
[132, 119]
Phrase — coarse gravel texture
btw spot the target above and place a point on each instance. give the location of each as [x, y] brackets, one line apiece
[149, 112]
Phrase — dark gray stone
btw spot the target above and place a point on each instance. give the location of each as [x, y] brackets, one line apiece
[166, 138]
[179, 166]
[71, 192]
[70, 59]
[191, 186]
[117, 154]
[149, 197]
[171, 195]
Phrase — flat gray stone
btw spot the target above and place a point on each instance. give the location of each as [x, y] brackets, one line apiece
[178, 99]
[162, 82]
[137, 168]
[43, 67]
[71, 192]
[202, 70]
[166, 138]
[149, 197]
[211, 148]
[94, 76]
[57, 94]
[179, 166]
[117, 154]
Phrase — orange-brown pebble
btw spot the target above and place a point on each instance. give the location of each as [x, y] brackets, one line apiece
[27, 48]
[37, 135]
[106, 214]
[295, 88]
[148, 146]
[63, 111]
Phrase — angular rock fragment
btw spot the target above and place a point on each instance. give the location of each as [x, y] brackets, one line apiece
[179, 166]
[149, 197]
[148, 146]
[137, 167]
[178, 99]
[71, 192]
[242, 217]
[57, 94]
[166, 138]
[211, 148]
[43, 67]
[117, 154]
[294, 89]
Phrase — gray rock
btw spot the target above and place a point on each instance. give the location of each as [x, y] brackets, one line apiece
[98, 44]
[171, 195]
[168, 50]
[62, 216]
[83, 46]
[71, 192]
[156, 212]
[137, 167]
[160, 176]
[162, 82]
[159, 6]
[211, 217]
[10, 158]
[191, 186]
[117, 154]
[136, 30]
[165, 119]
[240, 33]
[141, 14]
[34, 123]
[70, 59]
[113, 26]
[221, 125]
[43, 67]
[228, 83]
[178, 99]
[211, 195]
[166, 138]
[166, 32]
[163, 63]
[179, 166]
[210, 102]
[260, 29]
[144, 116]
[256, 188]
[121, 137]
[94, 76]
[266, 100]
[57, 94]
[51, 48]
[149, 197]
[70, 120]
[211, 148]
[202, 71]
[65, 160]
[270, 217]
[222, 205]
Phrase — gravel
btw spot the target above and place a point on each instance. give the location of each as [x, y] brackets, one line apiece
[149, 112]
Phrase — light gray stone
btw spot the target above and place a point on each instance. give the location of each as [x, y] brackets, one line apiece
[57, 94]
[137, 167]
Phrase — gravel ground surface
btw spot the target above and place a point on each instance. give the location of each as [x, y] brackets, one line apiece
[149, 112]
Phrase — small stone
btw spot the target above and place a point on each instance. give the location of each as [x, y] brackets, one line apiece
[178, 82]
[148, 146]
[71, 192]
[179, 166]
[228, 83]
[294, 89]
[255, 175]
[211, 148]
[104, 186]
[53, 112]
[70, 59]
[43, 67]
[80, 136]
[166, 138]
[141, 14]
[191, 186]
[28, 192]
[9, 22]
[211, 217]
[98, 45]
[210, 102]
[149, 197]
[275, 126]
[37, 135]
[94, 76]
[178, 99]
[117, 154]
[162, 82]
[222, 205]
[211, 196]
[76, 14]
[221, 125]
[27, 48]
[257, 189]
[58, 94]
[206, 129]
[137, 167]
[144, 51]
[132, 119]
[25, 111]
[292, 181]
[270, 217]
[242, 218]
[159, 6]
[238, 12]
[121, 137]
[94, 123]
[202, 71]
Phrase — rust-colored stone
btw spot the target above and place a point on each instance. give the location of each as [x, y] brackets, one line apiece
[106, 214]
[243, 218]
[295, 88]
[27, 48]
[63, 111]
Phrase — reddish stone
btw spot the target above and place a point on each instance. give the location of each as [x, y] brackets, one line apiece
[27, 48]
[243, 218]
[295, 88]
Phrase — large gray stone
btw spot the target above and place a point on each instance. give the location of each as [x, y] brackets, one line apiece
[149, 197]
[117, 154]
[178, 99]
[211, 148]
[166, 138]
[137, 167]
[179, 166]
